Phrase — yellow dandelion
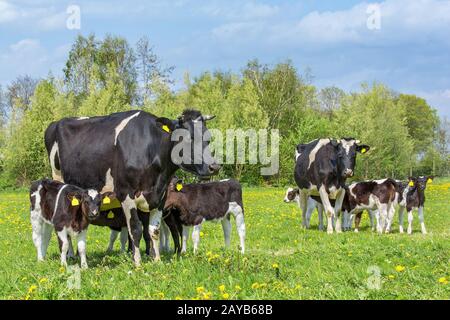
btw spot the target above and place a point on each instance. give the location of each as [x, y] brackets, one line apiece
[238, 288]
[443, 280]
[399, 268]
[275, 266]
[178, 298]
[62, 269]
[202, 234]
[255, 285]
[226, 296]
[43, 280]
[200, 289]
[222, 288]
[32, 288]
[391, 276]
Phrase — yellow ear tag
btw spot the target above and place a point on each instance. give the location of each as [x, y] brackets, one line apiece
[110, 215]
[165, 128]
[106, 200]
[411, 184]
[75, 202]
[429, 180]
[363, 150]
[179, 186]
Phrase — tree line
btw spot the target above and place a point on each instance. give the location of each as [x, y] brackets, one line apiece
[102, 76]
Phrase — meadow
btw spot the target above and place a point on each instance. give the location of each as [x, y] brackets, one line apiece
[283, 261]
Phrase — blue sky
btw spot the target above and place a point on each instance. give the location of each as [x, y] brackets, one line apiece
[410, 52]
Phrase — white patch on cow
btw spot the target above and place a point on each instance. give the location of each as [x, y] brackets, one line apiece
[37, 223]
[56, 174]
[57, 199]
[82, 118]
[236, 210]
[328, 208]
[347, 145]
[109, 182]
[297, 154]
[286, 199]
[123, 124]
[154, 227]
[312, 155]
[224, 180]
[141, 203]
[92, 193]
[380, 181]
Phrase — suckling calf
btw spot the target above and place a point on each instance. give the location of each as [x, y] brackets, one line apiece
[213, 201]
[292, 194]
[66, 208]
[371, 195]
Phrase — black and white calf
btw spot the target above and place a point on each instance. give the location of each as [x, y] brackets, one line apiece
[292, 194]
[322, 167]
[411, 196]
[373, 195]
[213, 201]
[67, 209]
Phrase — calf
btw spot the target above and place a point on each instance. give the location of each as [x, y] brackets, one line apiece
[292, 194]
[371, 195]
[66, 208]
[192, 204]
[411, 196]
[322, 167]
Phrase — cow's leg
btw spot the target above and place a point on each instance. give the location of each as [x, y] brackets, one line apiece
[112, 238]
[410, 220]
[81, 245]
[37, 225]
[338, 207]
[303, 204]
[196, 236]
[238, 214]
[165, 232]
[401, 212]
[328, 209]
[145, 220]
[155, 223]
[347, 218]
[226, 227]
[123, 239]
[320, 213]
[357, 221]
[372, 214]
[309, 211]
[383, 209]
[391, 213]
[45, 240]
[134, 227]
[421, 220]
[175, 234]
[64, 247]
[186, 230]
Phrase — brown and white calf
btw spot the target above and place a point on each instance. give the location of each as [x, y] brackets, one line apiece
[373, 195]
[411, 196]
[213, 201]
[66, 208]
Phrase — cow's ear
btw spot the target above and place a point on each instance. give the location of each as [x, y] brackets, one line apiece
[107, 197]
[362, 148]
[74, 199]
[165, 124]
[178, 186]
[297, 190]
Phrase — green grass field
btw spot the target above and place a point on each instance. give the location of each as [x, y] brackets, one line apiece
[283, 261]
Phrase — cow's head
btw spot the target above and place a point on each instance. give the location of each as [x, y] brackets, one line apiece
[346, 155]
[420, 182]
[191, 137]
[291, 194]
[89, 201]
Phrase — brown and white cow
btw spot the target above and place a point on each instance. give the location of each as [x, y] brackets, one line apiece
[194, 204]
[66, 208]
[372, 195]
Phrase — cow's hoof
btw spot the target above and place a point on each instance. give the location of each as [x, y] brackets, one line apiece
[356, 230]
[84, 266]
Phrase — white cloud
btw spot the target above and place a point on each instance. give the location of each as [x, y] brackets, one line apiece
[7, 12]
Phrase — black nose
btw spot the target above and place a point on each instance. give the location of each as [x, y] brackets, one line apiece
[214, 168]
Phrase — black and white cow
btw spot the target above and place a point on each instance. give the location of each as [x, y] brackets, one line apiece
[67, 209]
[411, 196]
[376, 196]
[322, 167]
[134, 154]
[193, 204]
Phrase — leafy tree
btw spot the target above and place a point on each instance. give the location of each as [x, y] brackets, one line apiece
[330, 99]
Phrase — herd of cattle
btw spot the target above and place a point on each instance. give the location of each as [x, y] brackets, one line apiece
[117, 171]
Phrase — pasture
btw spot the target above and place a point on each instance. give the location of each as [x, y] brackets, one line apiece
[283, 261]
